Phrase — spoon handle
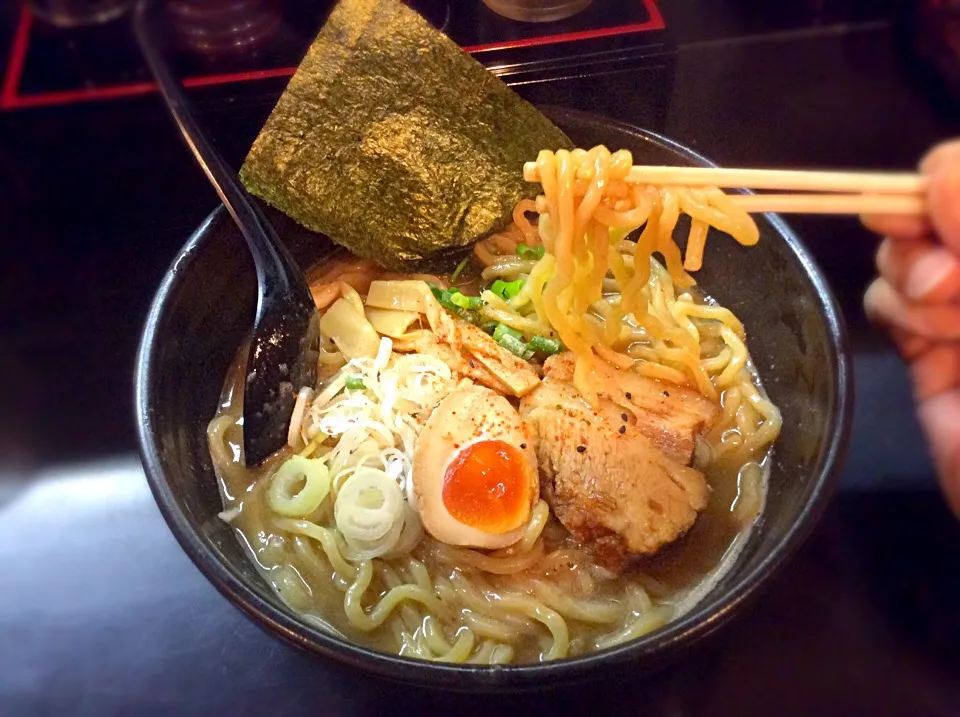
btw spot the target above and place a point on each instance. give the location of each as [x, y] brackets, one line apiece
[274, 264]
[282, 355]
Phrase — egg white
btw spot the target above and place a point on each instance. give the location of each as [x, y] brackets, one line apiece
[466, 416]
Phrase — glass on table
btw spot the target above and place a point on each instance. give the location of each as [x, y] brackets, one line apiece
[536, 10]
[73, 13]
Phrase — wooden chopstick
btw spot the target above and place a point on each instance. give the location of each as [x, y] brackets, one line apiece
[831, 203]
[813, 181]
[860, 182]
[828, 192]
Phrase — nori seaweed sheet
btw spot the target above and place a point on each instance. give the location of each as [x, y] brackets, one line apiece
[394, 142]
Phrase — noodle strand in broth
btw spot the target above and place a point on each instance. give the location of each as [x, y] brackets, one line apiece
[596, 267]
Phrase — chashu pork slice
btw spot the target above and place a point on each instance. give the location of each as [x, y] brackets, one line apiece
[620, 484]
[669, 415]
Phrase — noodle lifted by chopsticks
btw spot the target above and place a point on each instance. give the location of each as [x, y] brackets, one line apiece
[602, 294]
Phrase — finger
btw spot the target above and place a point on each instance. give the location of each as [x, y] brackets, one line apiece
[910, 345]
[940, 322]
[941, 154]
[943, 197]
[895, 257]
[940, 420]
[922, 271]
[938, 161]
[936, 370]
[904, 227]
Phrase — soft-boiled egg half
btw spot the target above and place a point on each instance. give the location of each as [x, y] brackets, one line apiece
[475, 470]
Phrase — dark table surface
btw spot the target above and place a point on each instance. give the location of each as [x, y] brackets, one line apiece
[100, 611]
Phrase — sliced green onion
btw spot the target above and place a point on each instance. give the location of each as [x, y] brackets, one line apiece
[545, 345]
[504, 330]
[472, 316]
[445, 299]
[530, 252]
[513, 288]
[506, 289]
[464, 301]
[369, 507]
[460, 267]
[515, 346]
[354, 383]
[283, 495]
[490, 326]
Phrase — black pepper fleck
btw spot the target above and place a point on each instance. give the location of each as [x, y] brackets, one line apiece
[623, 429]
[523, 446]
[628, 395]
[581, 449]
[667, 394]
[624, 417]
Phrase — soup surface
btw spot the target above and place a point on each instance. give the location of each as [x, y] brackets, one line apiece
[511, 605]
[556, 449]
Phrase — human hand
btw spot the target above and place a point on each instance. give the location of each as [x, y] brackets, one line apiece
[917, 296]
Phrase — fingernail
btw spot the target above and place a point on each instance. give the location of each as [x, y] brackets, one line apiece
[929, 272]
[879, 302]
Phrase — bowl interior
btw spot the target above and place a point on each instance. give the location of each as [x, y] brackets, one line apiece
[205, 308]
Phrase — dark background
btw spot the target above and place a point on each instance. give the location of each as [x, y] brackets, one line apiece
[101, 613]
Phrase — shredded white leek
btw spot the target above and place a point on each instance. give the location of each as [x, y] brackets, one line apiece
[369, 432]
[377, 426]
[294, 433]
[228, 516]
[410, 535]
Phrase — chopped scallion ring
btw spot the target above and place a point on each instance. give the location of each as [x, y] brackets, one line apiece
[284, 498]
[515, 346]
[545, 345]
[525, 251]
[460, 267]
[504, 330]
[355, 383]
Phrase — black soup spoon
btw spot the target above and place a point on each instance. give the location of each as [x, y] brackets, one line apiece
[282, 355]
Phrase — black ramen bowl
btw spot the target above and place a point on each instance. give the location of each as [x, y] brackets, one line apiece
[205, 308]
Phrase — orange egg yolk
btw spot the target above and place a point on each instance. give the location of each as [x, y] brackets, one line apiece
[487, 487]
